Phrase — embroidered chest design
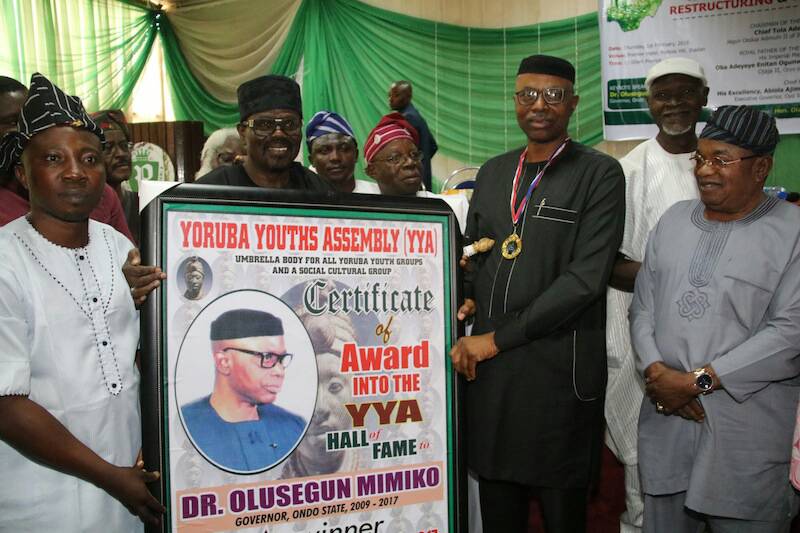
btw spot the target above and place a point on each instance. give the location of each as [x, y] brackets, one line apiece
[694, 302]
[93, 304]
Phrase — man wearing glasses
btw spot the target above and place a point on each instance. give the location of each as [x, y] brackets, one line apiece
[117, 157]
[715, 324]
[271, 127]
[536, 359]
[394, 161]
[658, 173]
[400, 93]
[238, 427]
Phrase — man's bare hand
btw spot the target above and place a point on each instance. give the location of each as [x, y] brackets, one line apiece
[670, 388]
[129, 486]
[467, 309]
[469, 351]
[141, 279]
[692, 411]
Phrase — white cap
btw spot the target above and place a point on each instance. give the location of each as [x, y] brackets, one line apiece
[675, 65]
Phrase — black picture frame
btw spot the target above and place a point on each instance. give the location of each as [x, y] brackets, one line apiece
[155, 383]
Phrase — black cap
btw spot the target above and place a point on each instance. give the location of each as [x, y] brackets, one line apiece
[244, 323]
[553, 66]
[267, 93]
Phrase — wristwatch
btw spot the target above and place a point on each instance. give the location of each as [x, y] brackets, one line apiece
[703, 380]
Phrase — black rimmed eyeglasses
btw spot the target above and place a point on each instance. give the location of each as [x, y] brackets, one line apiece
[264, 127]
[551, 95]
[268, 359]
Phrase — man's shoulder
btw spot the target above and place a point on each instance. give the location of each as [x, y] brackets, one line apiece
[414, 117]
[200, 408]
[227, 175]
[277, 414]
[305, 179]
[15, 226]
[366, 187]
[787, 212]
[410, 110]
[679, 211]
[10, 235]
[512, 156]
[592, 156]
[99, 229]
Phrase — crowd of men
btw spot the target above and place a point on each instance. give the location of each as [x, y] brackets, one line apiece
[651, 303]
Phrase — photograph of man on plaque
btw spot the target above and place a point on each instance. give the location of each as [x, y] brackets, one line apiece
[252, 419]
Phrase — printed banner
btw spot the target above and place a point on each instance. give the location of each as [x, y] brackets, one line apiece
[306, 386]
[749, 49]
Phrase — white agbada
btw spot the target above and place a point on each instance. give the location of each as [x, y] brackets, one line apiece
[654, 180]
[458, 203]
[69, 332]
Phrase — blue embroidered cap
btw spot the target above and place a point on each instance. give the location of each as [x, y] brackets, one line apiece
[325, 122]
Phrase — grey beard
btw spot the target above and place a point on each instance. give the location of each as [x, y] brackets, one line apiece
[674, 132]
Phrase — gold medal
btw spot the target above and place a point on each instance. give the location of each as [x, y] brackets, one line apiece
[512, 246]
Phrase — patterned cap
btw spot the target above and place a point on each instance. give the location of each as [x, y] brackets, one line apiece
[743, 126]
[195, 265]
[392, 126]
[325, 122]
[47, 106]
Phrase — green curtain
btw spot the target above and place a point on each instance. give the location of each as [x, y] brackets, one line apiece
[349, 52]
[221, 59]
[786, 163]
[95, 49]
[463, 77]
[189, 99]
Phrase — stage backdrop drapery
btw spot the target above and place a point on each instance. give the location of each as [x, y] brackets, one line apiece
[350, 52]
[227, 43]
[95, 49]
[463, 77]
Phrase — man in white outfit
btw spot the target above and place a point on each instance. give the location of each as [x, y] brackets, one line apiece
[70, 427]
[658, 173]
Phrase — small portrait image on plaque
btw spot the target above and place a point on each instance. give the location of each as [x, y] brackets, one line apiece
[194, 277]
[246, 381]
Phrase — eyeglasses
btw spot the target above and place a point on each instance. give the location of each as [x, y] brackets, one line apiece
[396, 159]
[551, 95]
[264, 127]
[716, 163]
[268, 359]
[124, 146]
[681, 96]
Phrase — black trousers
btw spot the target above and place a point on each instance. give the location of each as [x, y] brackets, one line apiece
[505, 506]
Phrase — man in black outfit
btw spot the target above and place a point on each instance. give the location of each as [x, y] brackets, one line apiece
[271, 130]
[400, 94]
[536, 359]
